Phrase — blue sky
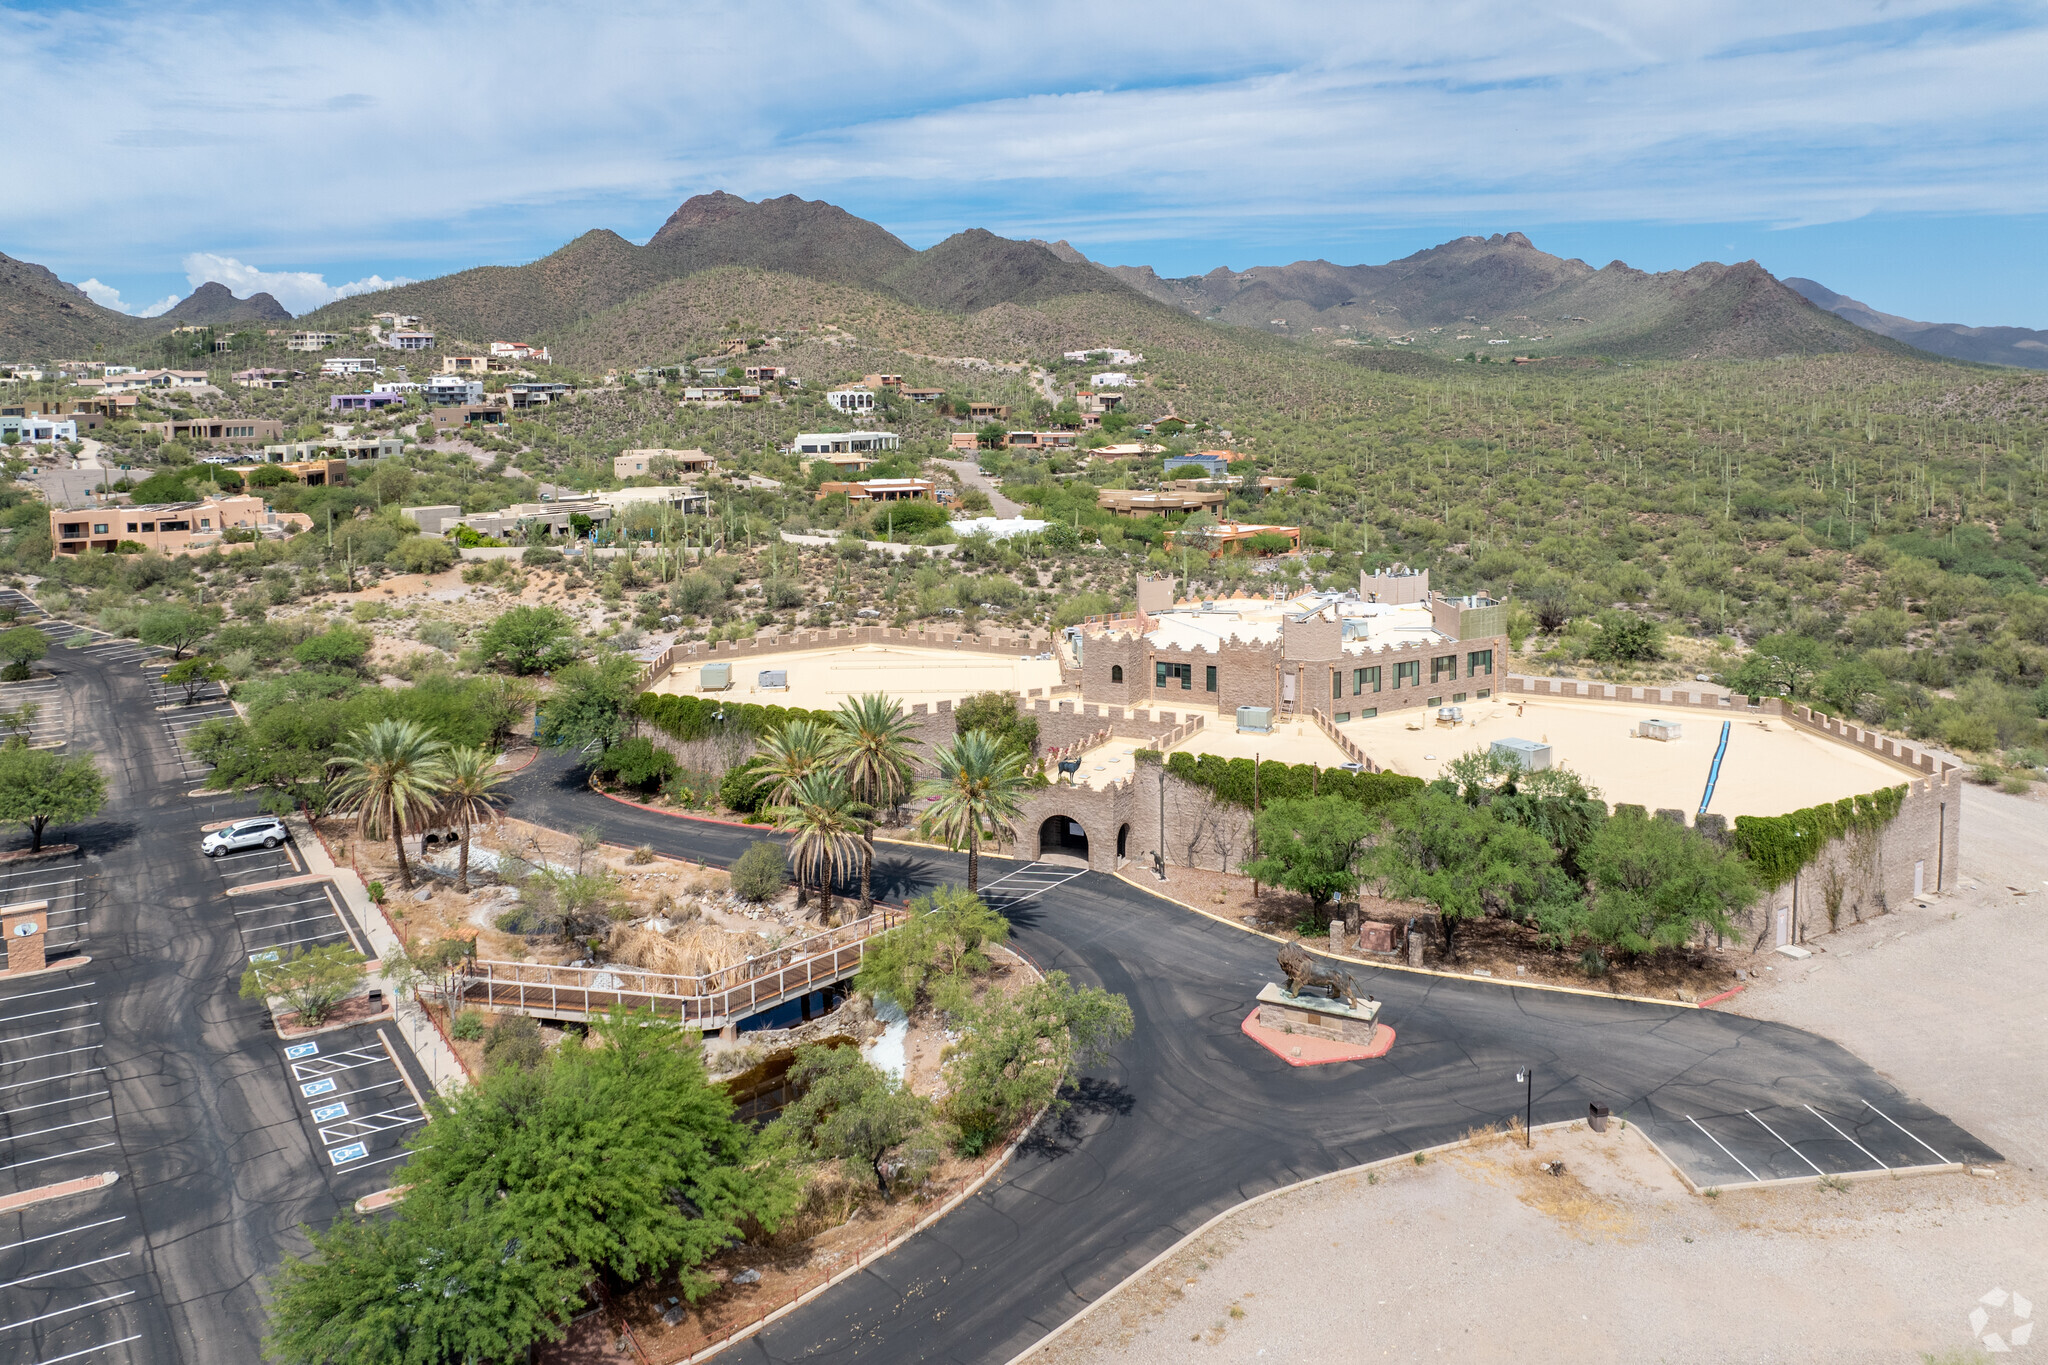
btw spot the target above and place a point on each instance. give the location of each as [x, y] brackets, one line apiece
[1895, 150]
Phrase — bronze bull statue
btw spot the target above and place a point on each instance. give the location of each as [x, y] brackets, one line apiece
[1303, 970]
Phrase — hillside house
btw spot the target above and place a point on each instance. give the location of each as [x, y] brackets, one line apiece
[220, 430]
[409, 341]
[535, 395]
[171, 528]
[447, 390]
[319, 473]
[470, 415]
[340, 367]
[881, 490]
[519, 352]
[725, 393]
[465, 364]
[361, 402]
[1125, 502]
[924, 395]
[1238, 538]
[311, 341]
[826, 444]
[1040, 440]
[38, 429]
[988, 412]
[764, 374]
[1096, 404]
[395, 322]
[631, 464]
[853, 402]
[153, 379]
[1109, 379]
[350, 448]
[881, 381]
[267, 379]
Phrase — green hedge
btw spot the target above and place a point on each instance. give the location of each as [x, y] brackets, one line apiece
[1779, 846]
[1231, 780]
[693, 717]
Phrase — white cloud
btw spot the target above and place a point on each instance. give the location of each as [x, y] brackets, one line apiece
[106, 296]
[1218, 120]
[301, 291]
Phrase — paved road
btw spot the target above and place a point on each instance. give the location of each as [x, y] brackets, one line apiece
[971, 476]
[147, 1062]
[1190, 1117]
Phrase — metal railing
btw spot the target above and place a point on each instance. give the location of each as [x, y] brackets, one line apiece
[709, 1000]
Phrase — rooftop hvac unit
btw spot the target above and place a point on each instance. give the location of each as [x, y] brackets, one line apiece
[1533, 757]
[714, 678]
[1666, 730]
[773, 680]
[1257, 719]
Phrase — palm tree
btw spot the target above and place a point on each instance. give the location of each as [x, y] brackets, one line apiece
[470, 798]
[392, 775]
[873, 749]
[823, 830]
[976, 789]
[792, 752]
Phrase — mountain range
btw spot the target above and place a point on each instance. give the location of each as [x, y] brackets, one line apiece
[2020, 346]
[719, 257]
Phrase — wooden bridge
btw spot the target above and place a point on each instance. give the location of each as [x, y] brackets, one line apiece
[711, 1002]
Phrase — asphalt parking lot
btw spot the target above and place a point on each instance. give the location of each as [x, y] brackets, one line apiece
[155, 1069]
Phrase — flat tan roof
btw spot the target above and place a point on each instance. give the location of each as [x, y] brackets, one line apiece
[1770, 766]
[820, 679]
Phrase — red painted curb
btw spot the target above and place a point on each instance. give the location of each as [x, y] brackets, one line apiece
[1717, 999]
[677, 815]
[22, 1199]
[1279, 1043]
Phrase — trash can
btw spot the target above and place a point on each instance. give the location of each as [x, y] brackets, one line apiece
[1596, 1117]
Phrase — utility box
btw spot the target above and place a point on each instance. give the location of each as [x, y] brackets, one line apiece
[714, 678]
[773, 680]
[1666, 730]
[1256, 719]
[1533, 757]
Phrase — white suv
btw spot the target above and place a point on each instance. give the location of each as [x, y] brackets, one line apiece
[266, 831]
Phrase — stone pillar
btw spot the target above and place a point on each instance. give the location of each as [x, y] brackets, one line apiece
[1414, 948]
[1337, 939]
[24, 927]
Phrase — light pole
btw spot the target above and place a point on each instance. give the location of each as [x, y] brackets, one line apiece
[1527, 1076]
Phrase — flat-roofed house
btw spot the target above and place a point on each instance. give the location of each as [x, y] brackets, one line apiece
[170, 528]
[1125, 502]
[881, 490]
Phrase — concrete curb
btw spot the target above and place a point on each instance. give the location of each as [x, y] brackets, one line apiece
[43, 1194]
[1402, 966]
[443, 1068]
[302, 879]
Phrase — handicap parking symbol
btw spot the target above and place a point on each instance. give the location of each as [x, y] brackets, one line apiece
[321, 1087]
[341, 1156]
[298, 1050]
[328, 1112]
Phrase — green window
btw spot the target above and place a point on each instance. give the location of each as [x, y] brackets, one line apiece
[1164, 674]
[1343, 716]
[1408, 673]
[1443, 666]
[1479, 663]
[1209, 678]
[1364, 680]
[1336, 685]
[1368, 713]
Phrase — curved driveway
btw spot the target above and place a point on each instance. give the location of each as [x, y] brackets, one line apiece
[1190, 1117]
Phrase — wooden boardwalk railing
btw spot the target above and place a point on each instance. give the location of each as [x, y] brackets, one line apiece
[708, 1001]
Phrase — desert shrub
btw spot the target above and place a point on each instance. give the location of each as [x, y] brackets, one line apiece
[467, 1026]
[637, 763]
[761, 872]
[513, 1043]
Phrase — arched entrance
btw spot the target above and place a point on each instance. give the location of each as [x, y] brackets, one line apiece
[1058, 834]
[1123, 841]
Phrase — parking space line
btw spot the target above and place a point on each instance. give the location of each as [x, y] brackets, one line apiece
[312, 1068]
[45, 1056]
[1846, 1138]
[264, 909]
[60, 1312]
[309, 919]
[37, 1161]
[293, 942]
[1908, 1132]
[47, 1104]
[74, 1355]
[382, 1161]
[51, 1080]
[364, 1126]
[61, 1270]
[46, 1033]
[1731, 1156]
[54, 990]
[1788, 1146]
[60, 1128]
[37, 1014]
[66, 1232]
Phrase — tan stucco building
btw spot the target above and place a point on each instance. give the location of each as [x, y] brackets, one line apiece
[169, 528]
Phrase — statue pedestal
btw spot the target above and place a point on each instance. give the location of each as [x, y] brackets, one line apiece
[1317, 1016]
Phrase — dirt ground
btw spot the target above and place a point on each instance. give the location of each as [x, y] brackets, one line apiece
[1479, 1255]
[1484, 947]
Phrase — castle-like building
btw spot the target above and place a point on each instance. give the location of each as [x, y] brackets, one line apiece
[1392, 644]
